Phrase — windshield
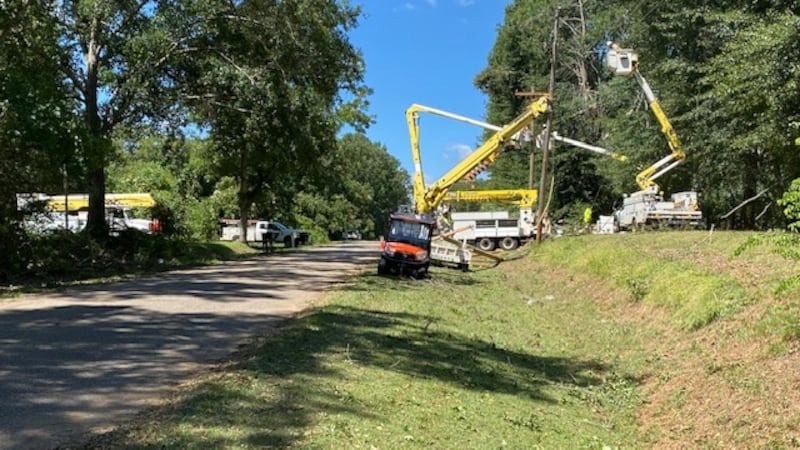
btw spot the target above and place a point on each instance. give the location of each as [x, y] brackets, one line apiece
[410, 232]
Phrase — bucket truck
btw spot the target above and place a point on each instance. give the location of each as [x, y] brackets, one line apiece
[69, 212]
[428, 199]
[647, 206]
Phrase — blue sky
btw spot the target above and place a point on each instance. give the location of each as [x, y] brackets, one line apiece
[427, 52]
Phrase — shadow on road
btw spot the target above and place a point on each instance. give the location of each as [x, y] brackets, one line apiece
[90, 357]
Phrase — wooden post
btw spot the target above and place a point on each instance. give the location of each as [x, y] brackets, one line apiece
[546, 139]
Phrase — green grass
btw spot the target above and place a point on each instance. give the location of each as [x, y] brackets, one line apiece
[67, 259]
[526, 355]
[475, 360]
[639, 263]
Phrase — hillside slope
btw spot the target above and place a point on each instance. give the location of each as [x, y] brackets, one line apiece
[722, 327]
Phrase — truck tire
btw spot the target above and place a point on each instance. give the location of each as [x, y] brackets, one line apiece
[383, 267]
[485, 244]
[509, 243]
[287, 241]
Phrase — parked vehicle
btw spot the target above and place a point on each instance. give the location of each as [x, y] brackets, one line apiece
[70, 212]
[407, 246]
[488, 230]
[256, 230]
[351, 235]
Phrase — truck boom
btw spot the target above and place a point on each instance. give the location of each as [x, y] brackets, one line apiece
[625, 62]
[428, 199]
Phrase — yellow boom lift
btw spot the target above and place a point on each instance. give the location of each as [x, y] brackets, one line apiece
[647, 206]
[428, 198]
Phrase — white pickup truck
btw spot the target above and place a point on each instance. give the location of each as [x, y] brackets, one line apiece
[256, 229]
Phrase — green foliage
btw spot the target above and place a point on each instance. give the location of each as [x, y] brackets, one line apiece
[791, 205]
[270, 126]
[516, 65]
[37, 132]
[695, 295]
[724, 72]
[354, 187]
[316, 233]
[783, 244]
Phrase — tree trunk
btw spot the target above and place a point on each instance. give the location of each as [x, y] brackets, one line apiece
[583, 77]
[98, 146]
[244, 199]
[750, 189]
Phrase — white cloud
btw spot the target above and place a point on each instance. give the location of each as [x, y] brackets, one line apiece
[407, 6]
[463, 3]
[461, 151]
[432, 2]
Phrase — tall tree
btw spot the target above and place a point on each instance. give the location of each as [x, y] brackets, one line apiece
[727, 72]
[270, 89]
[114, 58]
[36, 131]
[520, 61]
[358, 185]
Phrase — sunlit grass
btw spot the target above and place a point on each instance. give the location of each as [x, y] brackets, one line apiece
[474, 360]
[526, 355]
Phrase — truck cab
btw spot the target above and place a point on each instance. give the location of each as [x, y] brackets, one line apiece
[407, 246]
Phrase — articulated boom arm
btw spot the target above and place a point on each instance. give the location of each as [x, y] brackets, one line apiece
[525, 198]
[585, 146]
[428, 199]
[646, 177]
[625, 62]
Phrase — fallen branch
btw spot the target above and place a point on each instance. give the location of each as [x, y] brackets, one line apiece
[763, 211]
[744, 203]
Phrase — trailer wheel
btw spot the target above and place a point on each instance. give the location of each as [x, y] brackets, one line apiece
[486, 244]
[509, 243]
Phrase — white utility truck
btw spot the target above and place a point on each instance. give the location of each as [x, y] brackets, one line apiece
[256, 229]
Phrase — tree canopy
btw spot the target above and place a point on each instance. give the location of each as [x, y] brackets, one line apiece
[726, 74]
[218, 109]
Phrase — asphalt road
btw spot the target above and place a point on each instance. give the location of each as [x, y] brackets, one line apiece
[80, 361]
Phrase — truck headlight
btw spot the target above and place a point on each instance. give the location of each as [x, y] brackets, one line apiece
[389, 250]
[421, 256]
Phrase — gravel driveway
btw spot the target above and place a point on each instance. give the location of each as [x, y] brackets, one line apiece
[82, 360]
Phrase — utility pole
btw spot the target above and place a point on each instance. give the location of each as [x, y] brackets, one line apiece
[531, 128]
[546, 139]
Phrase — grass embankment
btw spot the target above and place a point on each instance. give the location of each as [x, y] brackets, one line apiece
[64, 259]
[624, 341]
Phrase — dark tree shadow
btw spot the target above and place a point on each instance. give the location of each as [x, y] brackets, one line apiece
[400, 342]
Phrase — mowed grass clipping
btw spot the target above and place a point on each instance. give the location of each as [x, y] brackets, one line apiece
[488, 359]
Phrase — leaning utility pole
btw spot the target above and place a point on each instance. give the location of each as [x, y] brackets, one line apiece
[546, 138]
